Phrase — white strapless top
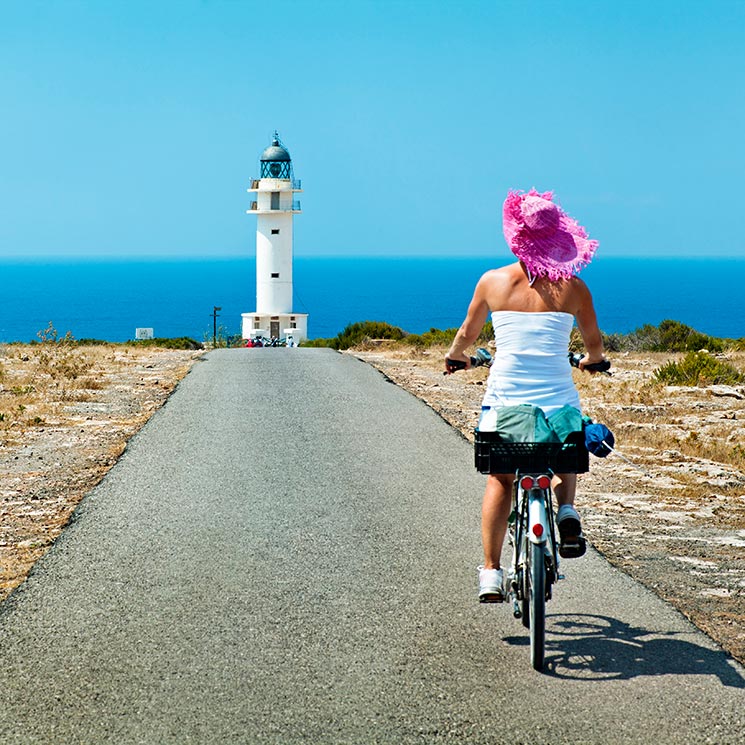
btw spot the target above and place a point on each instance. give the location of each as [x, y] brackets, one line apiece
[530, 365]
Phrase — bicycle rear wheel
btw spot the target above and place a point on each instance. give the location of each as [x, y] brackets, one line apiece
[536, 580]
[525, 587]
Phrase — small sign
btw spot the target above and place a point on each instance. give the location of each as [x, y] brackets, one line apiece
[143, 333]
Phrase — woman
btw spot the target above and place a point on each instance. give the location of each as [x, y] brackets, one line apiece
[533, 304]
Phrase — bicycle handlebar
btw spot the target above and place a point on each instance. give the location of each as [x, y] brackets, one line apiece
[603, 367]
[482, 357]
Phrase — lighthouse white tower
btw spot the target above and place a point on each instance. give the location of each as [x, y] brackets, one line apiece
[274, 208]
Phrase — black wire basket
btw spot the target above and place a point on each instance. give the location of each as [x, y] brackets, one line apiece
[495, 455]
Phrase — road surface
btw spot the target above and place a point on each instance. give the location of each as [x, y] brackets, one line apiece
[287, 553]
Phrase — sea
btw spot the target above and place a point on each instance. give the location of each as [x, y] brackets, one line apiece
[109, 299]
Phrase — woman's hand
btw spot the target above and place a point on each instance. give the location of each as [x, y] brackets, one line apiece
[455, 362]
[590, 359]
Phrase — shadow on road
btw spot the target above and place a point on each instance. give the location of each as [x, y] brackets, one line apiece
[592, 647]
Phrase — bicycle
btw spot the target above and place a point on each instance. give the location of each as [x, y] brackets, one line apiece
[535, 562]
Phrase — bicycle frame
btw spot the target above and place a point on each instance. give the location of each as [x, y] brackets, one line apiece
[530, 508]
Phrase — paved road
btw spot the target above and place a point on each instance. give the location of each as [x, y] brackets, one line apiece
[286, 553]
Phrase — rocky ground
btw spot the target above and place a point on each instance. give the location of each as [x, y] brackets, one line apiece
[679, 528]
[67, 413]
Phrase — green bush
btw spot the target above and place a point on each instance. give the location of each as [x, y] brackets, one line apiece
[444, 338]
[611, 342]
[669, 336]
[644, 339]
[431, 338]
[356, 333]
[317, 343]
[701, 369]
[677, 337]
[93, 343]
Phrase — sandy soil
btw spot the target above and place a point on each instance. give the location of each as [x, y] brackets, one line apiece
[679, 530]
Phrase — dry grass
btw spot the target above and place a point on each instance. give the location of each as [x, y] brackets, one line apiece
[37, 381]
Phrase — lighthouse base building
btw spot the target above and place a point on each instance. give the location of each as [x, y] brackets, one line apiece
[280, 326]
[274, 206]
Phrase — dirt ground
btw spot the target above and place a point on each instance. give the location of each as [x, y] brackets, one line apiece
[65, 420]
[680, 528]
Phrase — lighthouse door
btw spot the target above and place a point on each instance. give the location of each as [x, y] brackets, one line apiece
[274, 329]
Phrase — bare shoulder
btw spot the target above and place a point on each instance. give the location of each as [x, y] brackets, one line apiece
[577, 294]
[579, 288]
[577, 285]
[497, 285]
[505, 276]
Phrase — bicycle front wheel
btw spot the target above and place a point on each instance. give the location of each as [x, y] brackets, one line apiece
[536, 580]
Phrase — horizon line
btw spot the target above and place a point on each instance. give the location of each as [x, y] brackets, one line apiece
[36, 258]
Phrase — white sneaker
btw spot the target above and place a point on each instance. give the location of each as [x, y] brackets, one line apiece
[572, 543]
[491, 585]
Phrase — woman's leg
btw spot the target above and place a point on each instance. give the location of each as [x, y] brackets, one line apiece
[565, 487]
[572, 543]
[495, 510]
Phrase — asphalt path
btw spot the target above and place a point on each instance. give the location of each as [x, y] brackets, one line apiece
[287, 553]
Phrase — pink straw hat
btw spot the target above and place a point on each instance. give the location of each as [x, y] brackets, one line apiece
[548, 242]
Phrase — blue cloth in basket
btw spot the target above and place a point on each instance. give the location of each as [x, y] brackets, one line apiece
[596, 437]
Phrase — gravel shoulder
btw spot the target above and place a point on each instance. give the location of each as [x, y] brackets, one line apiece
[680, 530]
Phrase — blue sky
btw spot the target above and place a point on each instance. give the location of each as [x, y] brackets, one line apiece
[133, 128]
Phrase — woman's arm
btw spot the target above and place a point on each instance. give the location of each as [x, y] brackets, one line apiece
[470, 329]
[587, 323]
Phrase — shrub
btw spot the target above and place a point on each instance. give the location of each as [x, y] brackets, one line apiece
[93, 343]
[317, 343]
[612, 342]
[179, 342]
[669, 336]
[58, 357]
[221, 338]
[644, 339]
[701, 369]
[356, 333]
[431, 338]
[677, 337]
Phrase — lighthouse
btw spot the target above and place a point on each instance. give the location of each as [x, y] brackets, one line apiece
[274, 206]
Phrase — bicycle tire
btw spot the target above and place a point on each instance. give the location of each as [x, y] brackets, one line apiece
[525, 586]
[537, 597]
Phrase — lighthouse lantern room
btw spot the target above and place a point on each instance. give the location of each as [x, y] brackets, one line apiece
[274, 207]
